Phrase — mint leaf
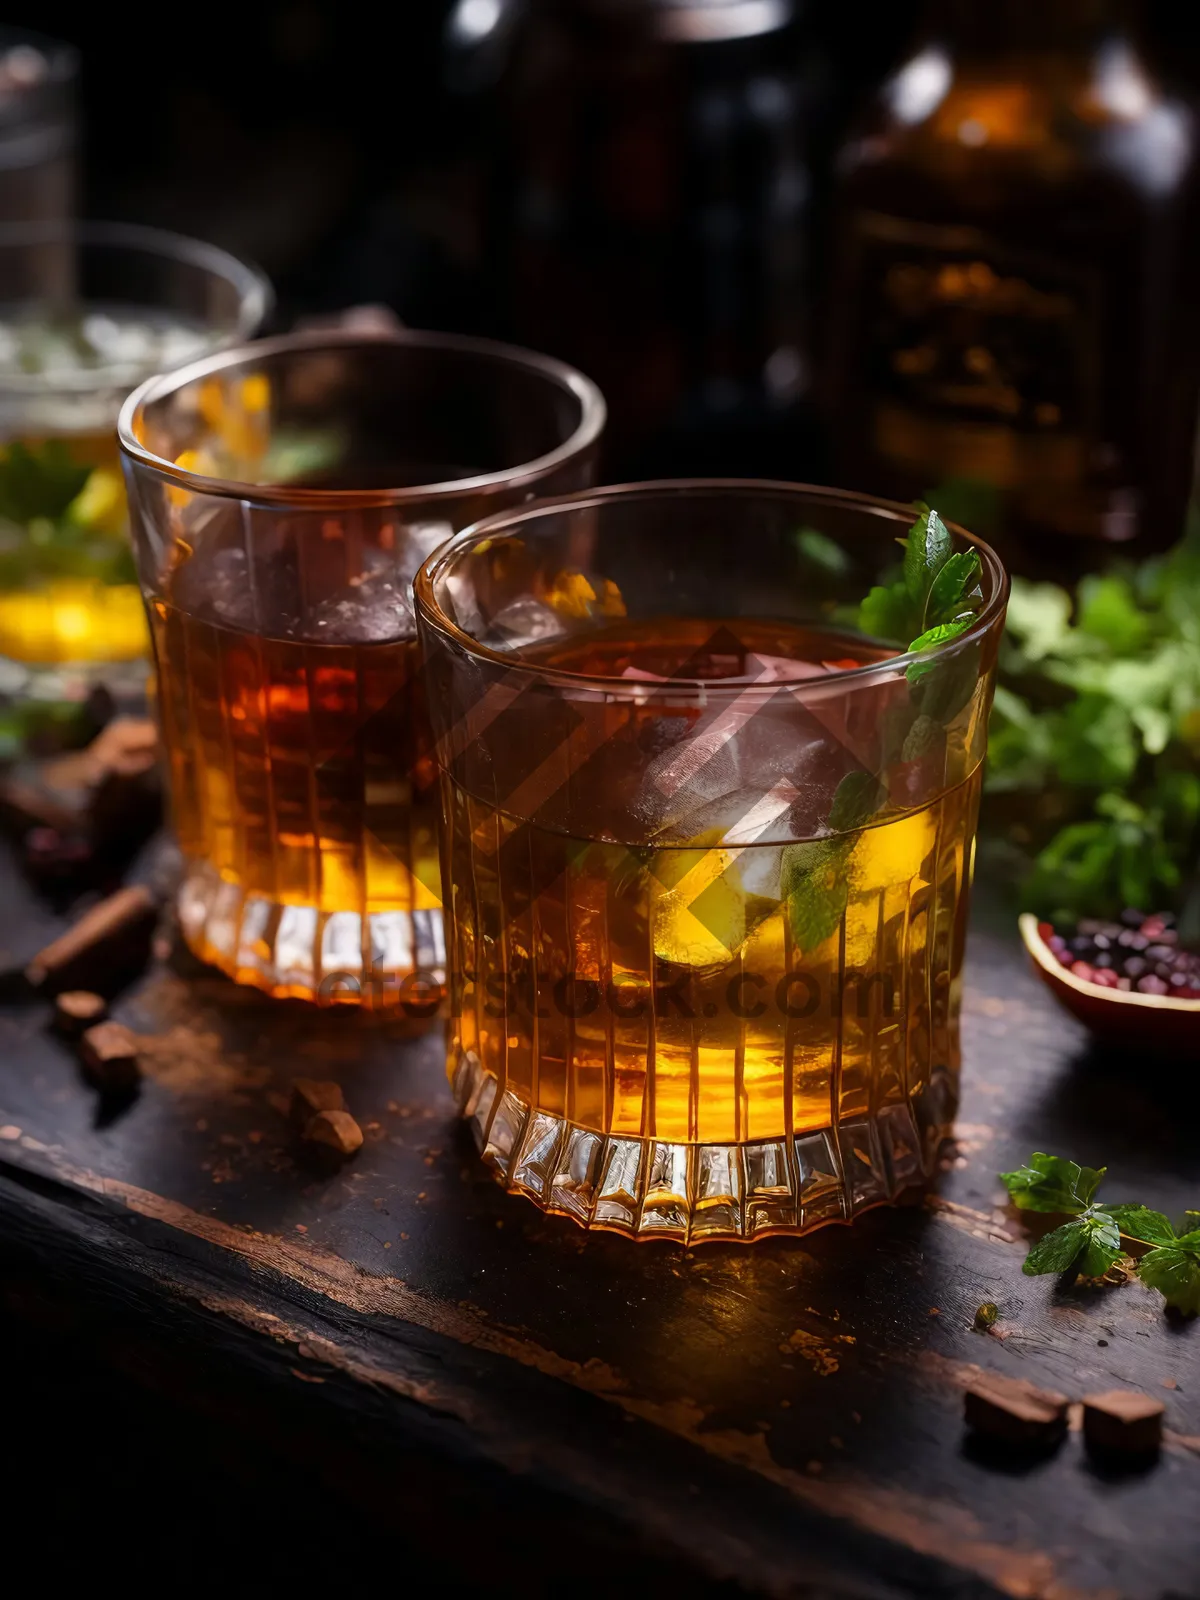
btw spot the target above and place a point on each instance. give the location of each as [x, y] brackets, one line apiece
[855, 801]
[1102, 1246]
[929, 640]
[886, 613]
[813, 881]
[927, 551]
[1175, 1272]
[813, 873]
[1090, 1244]
[924, 736]
[1139, 1222]
[819, 550]
[1190, 1223]
[952, 587]
[1051, 1183]
[1058, 1250]
[38, 481]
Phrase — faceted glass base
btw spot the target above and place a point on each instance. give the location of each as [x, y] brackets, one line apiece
[383, 960]
[649, 1189]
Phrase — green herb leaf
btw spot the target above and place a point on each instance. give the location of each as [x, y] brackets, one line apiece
[1051, 1183]
[1057, 1251]
[38, 482]
[923, 737]
[819, 550]
[813, 880]
[886, 614]
[1175, 1272]
[929, 640]
[1090, 1244]
[1102, 1246]
[1139, 1222]
[927, 551]
[855, 801]
[952, 587]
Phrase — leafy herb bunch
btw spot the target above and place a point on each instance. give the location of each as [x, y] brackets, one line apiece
[1096, 734]
[1090, 1242]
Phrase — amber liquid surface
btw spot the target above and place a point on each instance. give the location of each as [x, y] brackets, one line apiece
[304, 800]
[667, 994]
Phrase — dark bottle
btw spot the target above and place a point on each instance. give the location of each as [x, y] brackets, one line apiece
[648, 195]
[1016, 320]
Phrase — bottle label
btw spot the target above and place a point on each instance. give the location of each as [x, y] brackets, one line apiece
[976, 359]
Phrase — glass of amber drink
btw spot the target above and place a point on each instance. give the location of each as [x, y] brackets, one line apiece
[88, 310]
[707, 851]
[282, 497]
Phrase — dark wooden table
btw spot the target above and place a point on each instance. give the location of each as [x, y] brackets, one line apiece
[536, 1410]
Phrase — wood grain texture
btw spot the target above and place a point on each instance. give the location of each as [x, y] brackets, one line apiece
[786, 1417]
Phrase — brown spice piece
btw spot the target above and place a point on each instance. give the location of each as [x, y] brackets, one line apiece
[336, 1130]
[109, 1053]
[110, 920]
[1122, 1422]
[1015, 1410]
[126, 746]
[310, 1095]
[77, 1009]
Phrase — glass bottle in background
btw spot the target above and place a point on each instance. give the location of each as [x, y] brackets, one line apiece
[647, 201]
[1015, 327]
[37, 127]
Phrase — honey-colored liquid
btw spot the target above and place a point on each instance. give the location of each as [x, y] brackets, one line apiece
[51, 619]
[662, 994]
[304, 802]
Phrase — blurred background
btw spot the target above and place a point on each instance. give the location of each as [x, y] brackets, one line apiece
[925, 246]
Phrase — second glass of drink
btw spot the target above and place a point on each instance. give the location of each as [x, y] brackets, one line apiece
[282, 498]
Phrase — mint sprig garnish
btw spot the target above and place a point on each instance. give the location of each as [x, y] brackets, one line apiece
[1090, 1243]
[934, 600]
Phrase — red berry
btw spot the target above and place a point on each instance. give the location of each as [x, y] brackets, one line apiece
[1106, 978]
[1046, 930]
[1153, 927]
[1080, 969]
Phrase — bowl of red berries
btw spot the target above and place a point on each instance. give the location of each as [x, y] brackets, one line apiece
[1128, 980]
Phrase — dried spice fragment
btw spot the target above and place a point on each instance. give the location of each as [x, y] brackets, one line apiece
[1122, 1422]
[1015, 1411]
[311, 1095]
[109, 1055]
[335, 1130]
[78, 1009]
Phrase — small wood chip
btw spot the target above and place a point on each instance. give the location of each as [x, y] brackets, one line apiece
[336, 1130]
[109, 1054]
[1122, 1422]
[310, 1095]
[77, 1009]
[1015, 1411]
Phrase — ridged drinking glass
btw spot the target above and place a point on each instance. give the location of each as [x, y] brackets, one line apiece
[283, 496]
[707, 852]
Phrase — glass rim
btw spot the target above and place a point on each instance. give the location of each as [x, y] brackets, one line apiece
[256, 297]
[593, 412]
[438, 563]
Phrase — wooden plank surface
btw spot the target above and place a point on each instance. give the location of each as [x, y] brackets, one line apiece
[777, 1417]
